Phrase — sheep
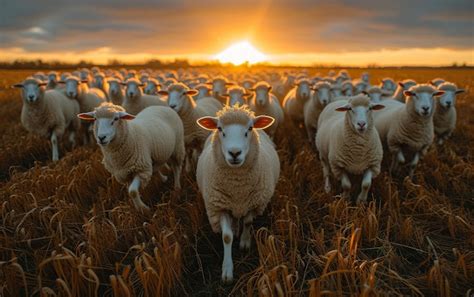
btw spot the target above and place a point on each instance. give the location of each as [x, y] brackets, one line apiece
[444, 119]
[236, 173]
[115, 91]
[40, 76]
[336, 90]
[265, 103]
[135, 101]
[359, 86]
[407, 129]
[219, 87]
[403, 85]
[348, 143]
[281, 89]
[203, 91]
[375, 94]
[101, 83]
[247, 83]
[144, 78]
[365, 78]
[388, 84]
[64, 75]
[179, 99]
[347, 88]
[133, 147]
[236, 95]
[48, 113]
[152, 87]
[437, 81]
[52, 80]
[313, 107]
[294, 101]
[84, 75]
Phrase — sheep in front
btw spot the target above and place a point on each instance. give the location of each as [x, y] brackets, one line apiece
[237, 173]
[48, 113]
[135, 101]
[116, 92]
[407, 129]
[294, 101]
[444, 119]
[236, 95]
[313, 107]
[180, 100]
[348, 143]
[134, 147]
[266, 103]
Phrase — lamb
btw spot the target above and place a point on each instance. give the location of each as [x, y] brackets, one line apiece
[134, 147]
[294, 101]
[115, 91]
[388, 84]
[135, 101]
[348, 143]
[236, 95]
[179, 98]
[265, 103]
[237, 173]
[403, 85]
[101, 83]
[152, 87]
[219, 87]
[407, 129]
[48, 113]
[437, 81]
[444, 119]
[313, 108]
[203, 91]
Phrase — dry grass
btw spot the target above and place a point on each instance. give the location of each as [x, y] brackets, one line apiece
[68, 229]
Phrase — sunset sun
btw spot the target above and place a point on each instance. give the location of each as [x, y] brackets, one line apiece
[241, 52]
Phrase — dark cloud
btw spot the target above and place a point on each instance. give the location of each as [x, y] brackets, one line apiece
[180, 27]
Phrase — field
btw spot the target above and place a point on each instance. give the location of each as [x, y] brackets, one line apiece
[68, 229]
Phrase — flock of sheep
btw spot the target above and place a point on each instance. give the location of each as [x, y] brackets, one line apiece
[222, 128]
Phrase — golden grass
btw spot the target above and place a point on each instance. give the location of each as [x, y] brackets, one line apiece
[67, 229]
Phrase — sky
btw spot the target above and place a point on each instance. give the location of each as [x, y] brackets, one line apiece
[300, 32]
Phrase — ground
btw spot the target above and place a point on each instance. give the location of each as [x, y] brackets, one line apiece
[67, 228]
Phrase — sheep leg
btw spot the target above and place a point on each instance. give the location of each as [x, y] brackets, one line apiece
[187, 164]
[400, 159]
[227, 238]
[365, 186]
[246, 237]
[177, 175]
[440, 141]
[346, 185]
[413, 164]
[54, 144]
[135, 195]
[72, 139]
[327, 181]
[157, 168]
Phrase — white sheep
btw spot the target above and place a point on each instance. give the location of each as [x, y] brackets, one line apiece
[347, 88]
[179, 98]
[48, 113]
[336, 90]
[152, 87]
[359, 86]
[403, 85]
[236, 95]
[407, 129]
[437, 81]
[444, 119]
[266, 103]
[101, 83]
[134, 147]
[365, 78]
[204, 90]
[116, 92]
[135, 101]
[219, 87]
[294, 101]
[237, 173]
[389, 85]
[53, 79]
[313, 107]
[375, 94]
[348, 143]
[247, 83]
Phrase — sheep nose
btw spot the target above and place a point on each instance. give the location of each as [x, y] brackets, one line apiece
[173, 106]
[235, 154]
[361, 124]
[101, 138]
[31, 97]
[425, 108]
[448, 104]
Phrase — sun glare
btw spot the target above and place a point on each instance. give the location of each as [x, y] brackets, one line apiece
[241, 52]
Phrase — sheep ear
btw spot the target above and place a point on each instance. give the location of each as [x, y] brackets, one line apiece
[408, 93]
[432, 83]
[61, 82]
[123, 83]
[163, 93]
[438, 93]
[377, 106]
[209, 83]
[246, 95]
[84, 81]
[401, 84]
[17, 86]
[262, 122]
[42, 84]
[365, 93]
[126, 116]
[225, 95]
[141, 85]
[192, 92]
[269, 89]
[229, 83]
[208, 123]
[344, 108]
[87, 116]
[459, 91]
[251, 89]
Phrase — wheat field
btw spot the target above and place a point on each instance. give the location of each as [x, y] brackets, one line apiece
[68, 229]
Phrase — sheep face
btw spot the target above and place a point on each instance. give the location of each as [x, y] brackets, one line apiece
[203, 92]
[360, 116]
[219, 87]
[422, 102]
[235, 138]
[448, 99]
[53, 78]
[375, 97]
[388, 85]
[336, 92]
[407, 85]
[114, 88]
[365, 77]
[32, 91]
[72, 88]
[178, 97]
[303, 89]
[323, 95]
[151, 88]
[360, 87]
[99, 81]
[347, 90]
[133, 90]
[262, 96]
[247, 84]
[105, 128]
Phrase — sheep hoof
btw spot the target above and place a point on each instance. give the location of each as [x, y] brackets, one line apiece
[227, 273]
[361, 200]
[245, 243]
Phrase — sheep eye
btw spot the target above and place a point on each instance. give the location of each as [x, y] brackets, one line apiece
[250, 128]
[219, 128]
